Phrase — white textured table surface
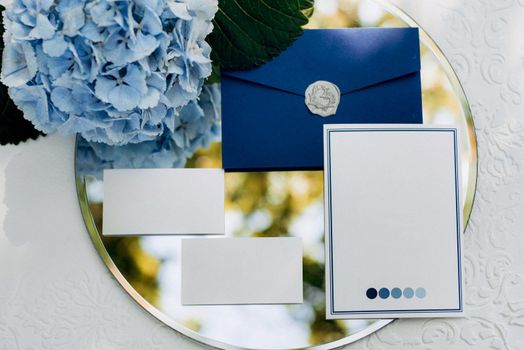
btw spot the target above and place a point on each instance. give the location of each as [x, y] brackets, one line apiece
[55, 292]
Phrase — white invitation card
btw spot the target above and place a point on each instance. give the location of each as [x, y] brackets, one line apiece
[163, 202]
[393, 221]
[226, 271]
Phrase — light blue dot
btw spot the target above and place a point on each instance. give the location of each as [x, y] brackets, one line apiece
[408, 293]
[396, 293]
[420, 293]
[383, 293]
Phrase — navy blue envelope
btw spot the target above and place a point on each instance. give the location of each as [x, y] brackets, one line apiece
[266, 124]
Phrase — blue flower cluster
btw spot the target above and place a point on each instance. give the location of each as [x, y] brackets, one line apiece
[198, 126]
[116, 71]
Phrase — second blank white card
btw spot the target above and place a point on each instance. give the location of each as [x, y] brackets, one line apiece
[241, 271]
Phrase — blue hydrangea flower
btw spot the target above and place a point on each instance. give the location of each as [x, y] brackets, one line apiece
[200, 127]
[116, 72]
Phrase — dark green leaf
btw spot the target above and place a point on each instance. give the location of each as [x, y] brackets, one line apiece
[13, 127]
[248, 33]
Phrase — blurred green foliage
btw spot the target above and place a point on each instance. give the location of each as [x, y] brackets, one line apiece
[138, 267]
[283, 197]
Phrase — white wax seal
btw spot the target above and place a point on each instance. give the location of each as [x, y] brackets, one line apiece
[322, 98]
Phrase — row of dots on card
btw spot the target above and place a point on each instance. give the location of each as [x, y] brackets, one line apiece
[396, 293]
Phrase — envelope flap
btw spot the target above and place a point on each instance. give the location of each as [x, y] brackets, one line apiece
[351, 58]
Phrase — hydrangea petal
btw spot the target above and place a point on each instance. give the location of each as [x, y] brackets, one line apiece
[104, 13]
[103, 87]
[179, 9]
[27, 19]
[151, 22]
[156, 6]
[43, 29]
[78, 124]
[169, 119]
[18, 64]
[33, 101]
[72, 15]
[62, 98]
[143, 46]
[45, 4]
[150, 99]
[56, 46]
[154, 116]
[155, 87]
[17, 30]
[179, 97]
[91, 32]
[55, 67]
[136, 78]
[203, 8]
[124, 98]
[86, 100]
[155, 80]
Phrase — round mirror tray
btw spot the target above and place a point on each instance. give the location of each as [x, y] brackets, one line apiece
[270, 204]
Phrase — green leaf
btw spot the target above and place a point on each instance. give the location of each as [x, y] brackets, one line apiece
[14, 128]
[248, 33]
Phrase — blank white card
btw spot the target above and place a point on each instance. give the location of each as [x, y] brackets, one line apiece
[393, 221]
[163, 201]
[241, 271]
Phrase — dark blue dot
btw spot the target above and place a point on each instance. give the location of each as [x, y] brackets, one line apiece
[408, 293]
[420, 293]
[396, 293]
[371, 293]
[384, 293]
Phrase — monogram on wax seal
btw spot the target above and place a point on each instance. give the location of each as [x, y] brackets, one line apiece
[322, 98]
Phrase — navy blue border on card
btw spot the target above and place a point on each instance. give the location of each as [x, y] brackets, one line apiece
[457, 207]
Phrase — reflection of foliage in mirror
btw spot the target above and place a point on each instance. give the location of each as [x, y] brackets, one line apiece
[139, 268]
[321, 330]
